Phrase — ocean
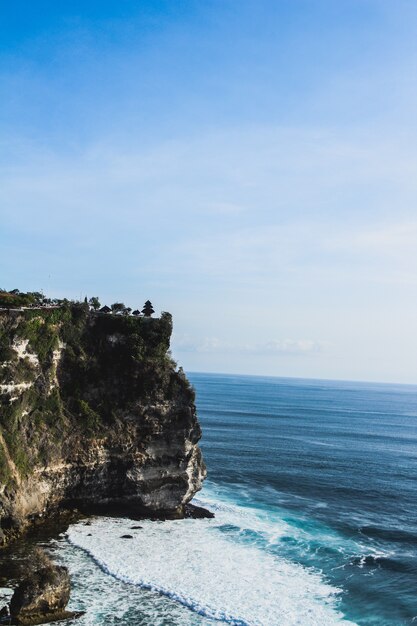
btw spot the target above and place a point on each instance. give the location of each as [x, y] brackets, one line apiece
[314, 489]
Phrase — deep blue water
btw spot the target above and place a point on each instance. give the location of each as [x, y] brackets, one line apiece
[314, 489]
[338, 462]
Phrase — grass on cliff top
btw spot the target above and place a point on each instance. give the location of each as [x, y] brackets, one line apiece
[108, 362]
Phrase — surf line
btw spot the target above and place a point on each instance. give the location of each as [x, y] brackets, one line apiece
[220, 616]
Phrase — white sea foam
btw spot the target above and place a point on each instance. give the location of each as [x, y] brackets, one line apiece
[210, 567]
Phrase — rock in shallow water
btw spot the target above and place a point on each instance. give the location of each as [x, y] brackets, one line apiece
[197, 512]
[43, 595]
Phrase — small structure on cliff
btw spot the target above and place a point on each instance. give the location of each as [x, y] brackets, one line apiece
[148, 309]
[105, 309]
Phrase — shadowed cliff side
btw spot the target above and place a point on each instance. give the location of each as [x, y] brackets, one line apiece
[93, 412]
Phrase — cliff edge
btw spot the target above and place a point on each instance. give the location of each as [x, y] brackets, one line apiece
[92, 412]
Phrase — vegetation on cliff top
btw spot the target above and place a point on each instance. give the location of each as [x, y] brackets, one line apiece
[78, 371]
[16, 299]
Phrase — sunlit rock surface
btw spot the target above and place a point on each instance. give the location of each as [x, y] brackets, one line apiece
[93, 413]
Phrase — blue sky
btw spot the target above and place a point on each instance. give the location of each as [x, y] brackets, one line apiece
[249, 166]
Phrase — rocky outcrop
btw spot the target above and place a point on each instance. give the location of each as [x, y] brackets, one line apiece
[93, 413]
[42, 595]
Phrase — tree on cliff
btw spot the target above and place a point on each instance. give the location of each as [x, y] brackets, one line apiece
[148, 309]
[117, 307]
[94, 302]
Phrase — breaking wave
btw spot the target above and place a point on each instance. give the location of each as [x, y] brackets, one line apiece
[218, 568]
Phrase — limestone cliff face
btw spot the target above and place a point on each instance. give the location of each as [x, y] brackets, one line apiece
[93, 411]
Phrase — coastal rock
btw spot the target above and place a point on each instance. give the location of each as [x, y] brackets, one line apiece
[42, 596]
[91, 423]
[191, 511]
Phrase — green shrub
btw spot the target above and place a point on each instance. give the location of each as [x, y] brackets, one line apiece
[90, 419]
[4, 467]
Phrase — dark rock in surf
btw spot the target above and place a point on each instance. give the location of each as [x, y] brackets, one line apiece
[197, 512]
[42, 596]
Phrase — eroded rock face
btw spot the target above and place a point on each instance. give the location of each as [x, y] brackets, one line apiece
[93, 412]
[43, 594]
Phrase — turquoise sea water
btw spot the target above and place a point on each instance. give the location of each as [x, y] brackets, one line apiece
[338, 462]
[314, 487]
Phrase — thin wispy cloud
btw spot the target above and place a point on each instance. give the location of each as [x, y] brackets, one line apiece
[251, 170]
[283, 347]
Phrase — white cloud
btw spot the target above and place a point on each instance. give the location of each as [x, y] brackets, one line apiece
[223, 208]
[294, 346]
[259, 242]
[389, 238]
[183, 343]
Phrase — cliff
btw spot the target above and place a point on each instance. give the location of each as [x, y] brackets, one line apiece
[92, 412]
